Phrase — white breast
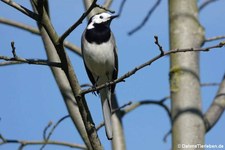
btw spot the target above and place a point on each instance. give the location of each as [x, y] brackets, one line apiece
[99, 58]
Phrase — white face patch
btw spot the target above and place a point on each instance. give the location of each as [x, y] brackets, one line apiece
[97, 19]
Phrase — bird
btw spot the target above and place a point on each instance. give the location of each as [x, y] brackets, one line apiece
[100, 57]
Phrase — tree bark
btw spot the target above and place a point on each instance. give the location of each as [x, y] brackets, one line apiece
[185, 32]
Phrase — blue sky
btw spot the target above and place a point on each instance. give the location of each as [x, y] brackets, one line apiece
[30, 97]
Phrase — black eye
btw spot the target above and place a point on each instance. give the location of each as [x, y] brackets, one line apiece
[101, 17]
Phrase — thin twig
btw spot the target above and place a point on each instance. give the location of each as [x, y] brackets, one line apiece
[157, 43]
[121, 107]
[72, 47]
[78, 22]
[100, 125]
[13, 60]
[209, 84]
[19, 25]
[24, 143]
[154, 102]
[146, 18]
[22, 9]
[86, 85]
[206, 3]
[215, 38]
[7, 63]
[147, 102]
[45, 130]
[133, 71]
[47, 137]
[121, 7]
[13, 49]
[166, 135]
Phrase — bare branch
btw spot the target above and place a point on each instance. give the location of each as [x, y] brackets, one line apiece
[19, 25]
[146, 18]
[45, 130]
[15, 58]
[24, 143]
[121, 107]
[215, 38]
[160, 103]
[22, 9]
[217, 107]
[121, 7]
[34, 30]
[147, 102]
[47, 137]
[78, 22]
[19, 60]
[206, 3]
[209, 84]
[7, 63]
[157, 43]
[72, 47]
[166, 135]
[132, 72]
[100, 125]
[13, 49]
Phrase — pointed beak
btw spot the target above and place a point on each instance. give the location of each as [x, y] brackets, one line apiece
[113, 17]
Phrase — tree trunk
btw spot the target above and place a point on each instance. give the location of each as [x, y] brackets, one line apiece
[185, 32]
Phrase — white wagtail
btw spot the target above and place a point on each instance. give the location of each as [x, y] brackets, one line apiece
[101, 62]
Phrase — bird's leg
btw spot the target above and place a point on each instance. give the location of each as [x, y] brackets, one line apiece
[107, 74]
[95, 85]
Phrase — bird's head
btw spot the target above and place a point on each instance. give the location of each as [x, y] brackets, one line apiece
[103, 19]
